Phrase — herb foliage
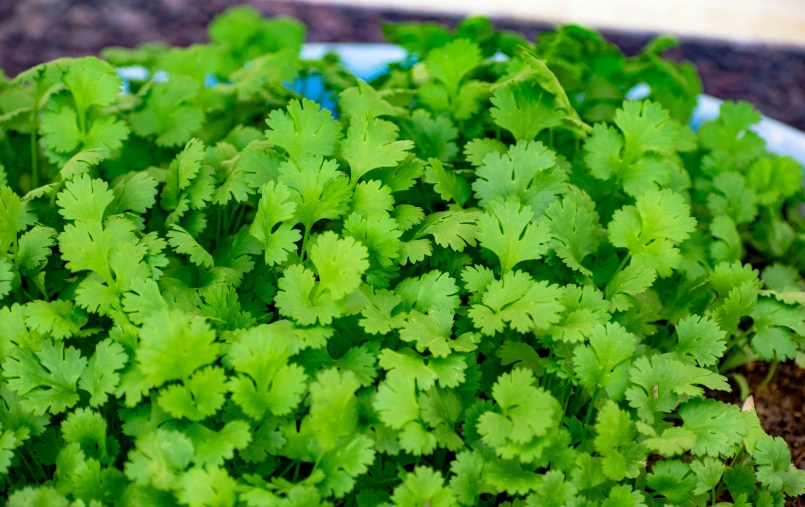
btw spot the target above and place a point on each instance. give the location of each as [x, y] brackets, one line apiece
[478, 281]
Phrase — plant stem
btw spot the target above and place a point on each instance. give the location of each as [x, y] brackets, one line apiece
[296, 471]
[290, 465]
[768, 377]
[304, 244]
[590, 408]
[34, 153]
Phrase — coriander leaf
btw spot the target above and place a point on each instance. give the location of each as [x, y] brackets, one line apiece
[200, 487]
[183, 242]
[159, 458]
[525, 110]
[298, 299]
[717, 426]
[431, 332]
[423, 486]
[169, 112]
[777, 328]
[362, 100]
[339, 262]
[92, 82]
[370, 144]
[514, 175]
[708, 474]
[46, 379]
[275, 208]
[518, 300]
[100, 378]
[319, 189]
[602, 363]
[525, 411]
[651, 228]
[576, 231]
[732, 198]
[196, 398]
[615, 441]
[84, 199]
[446, 182]
[304, 129]
[396, 401]
[450, 229]
[34, 247]
[476, 150]
[173, 345]
[775, 470]
[450, 63]
[700, 340]
[265, 381]
[509, 232]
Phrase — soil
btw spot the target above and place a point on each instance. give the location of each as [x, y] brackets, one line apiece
[770, 77]
[780, 407]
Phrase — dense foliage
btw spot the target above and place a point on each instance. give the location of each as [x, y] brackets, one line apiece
[478, 281]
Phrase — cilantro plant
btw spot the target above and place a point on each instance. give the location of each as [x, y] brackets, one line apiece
[476, 281]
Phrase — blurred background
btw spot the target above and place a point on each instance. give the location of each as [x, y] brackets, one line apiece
[744, 49]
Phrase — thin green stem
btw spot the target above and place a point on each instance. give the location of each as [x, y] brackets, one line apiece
[296, 471]
[219, 223]
[239, 217]
[768, 376]
[713, 497]
[290, 465]
[303, 253]
[590, 408]
[24, 460]
[34, 153]
[566, 394]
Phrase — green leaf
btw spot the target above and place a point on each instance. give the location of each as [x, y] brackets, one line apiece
[265, 383]
[100, 378]
[173, 345]
[431, 332]
[527, 172]
[303, 130]
[272, 225]
[518, 300]
[370, 144]
[602, 363]
[775, 470]
[708, 474]
[319, 189]
[700, 340]
[659, 220]
[84, 199]
[447, 183]
[717, 426]
[46, 379]
[184, 243]
[451, 63]
[525, 110]
[576, 231]
[92, 82]
[615, 441]
[510, 232]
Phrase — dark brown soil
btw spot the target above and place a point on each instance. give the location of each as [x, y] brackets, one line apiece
[780, 406]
